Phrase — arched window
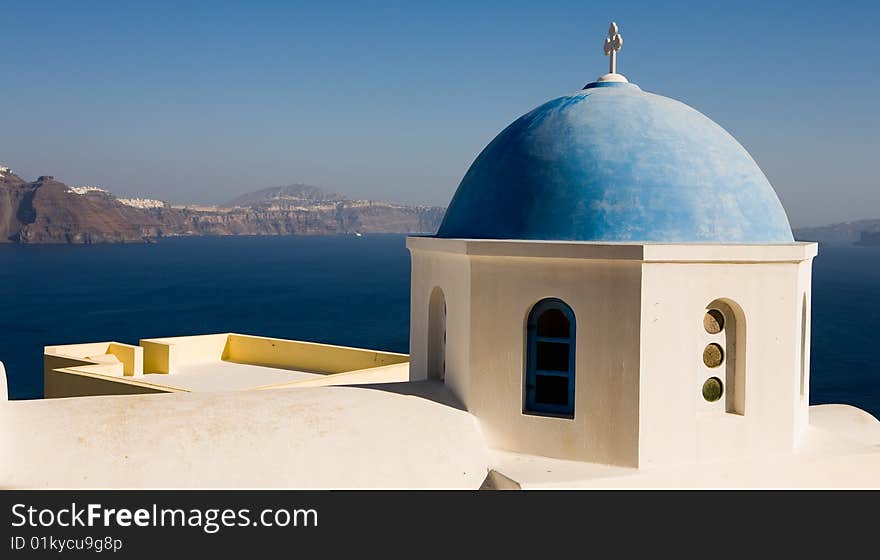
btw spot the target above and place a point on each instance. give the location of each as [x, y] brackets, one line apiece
[550, 350]
[437, 335]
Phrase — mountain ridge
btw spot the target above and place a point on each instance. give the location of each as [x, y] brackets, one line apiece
[293, 192]
[857, 233]
[49, 211]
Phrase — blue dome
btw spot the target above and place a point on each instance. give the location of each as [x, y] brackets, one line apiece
[614, 163]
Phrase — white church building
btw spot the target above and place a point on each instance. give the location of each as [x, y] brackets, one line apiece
[613, 300]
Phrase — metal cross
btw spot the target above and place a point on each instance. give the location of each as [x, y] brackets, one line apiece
[613, 42]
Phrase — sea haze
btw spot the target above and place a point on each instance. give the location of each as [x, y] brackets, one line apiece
[342, 290]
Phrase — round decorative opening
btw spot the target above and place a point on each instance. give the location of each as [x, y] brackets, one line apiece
[713, 389]
[713, 355]
[713, 321]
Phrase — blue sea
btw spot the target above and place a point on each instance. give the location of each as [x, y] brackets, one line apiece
[343, 290]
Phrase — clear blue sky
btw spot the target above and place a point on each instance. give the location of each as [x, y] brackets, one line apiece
[201, 101]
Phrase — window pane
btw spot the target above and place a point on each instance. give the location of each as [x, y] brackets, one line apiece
[550, 389]
[553, 322]
[552, 356]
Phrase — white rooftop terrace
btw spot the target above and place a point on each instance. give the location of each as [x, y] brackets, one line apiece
[214, 362]
[840, 450]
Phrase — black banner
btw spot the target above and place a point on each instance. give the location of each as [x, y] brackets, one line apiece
[137, 523]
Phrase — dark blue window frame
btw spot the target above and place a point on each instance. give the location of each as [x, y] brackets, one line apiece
[532, 403]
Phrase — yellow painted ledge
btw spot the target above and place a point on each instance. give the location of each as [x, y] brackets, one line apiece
[395, 373]
[93, 380]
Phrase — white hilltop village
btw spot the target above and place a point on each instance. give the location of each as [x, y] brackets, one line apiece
[614, 300]
[143, 203]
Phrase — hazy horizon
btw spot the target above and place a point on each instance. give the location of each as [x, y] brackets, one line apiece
[198, 103]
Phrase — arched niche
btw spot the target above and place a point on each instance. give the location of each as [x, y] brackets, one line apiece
[437, 334]
[730, 337]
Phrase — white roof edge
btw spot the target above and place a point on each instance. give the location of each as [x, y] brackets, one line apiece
[643, 252]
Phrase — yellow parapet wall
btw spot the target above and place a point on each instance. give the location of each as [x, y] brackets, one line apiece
[185, 364]
[162, 355]
[305, 356]
[157, 356]
[131, 357]
[89, 381]
[110, 361]
[395, 373]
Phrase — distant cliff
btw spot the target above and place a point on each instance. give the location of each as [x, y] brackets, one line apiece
[869, 239]
[48, 211]
[857, 233]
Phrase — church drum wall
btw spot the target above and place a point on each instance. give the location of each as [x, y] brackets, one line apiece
[677, 423]
[604, 296]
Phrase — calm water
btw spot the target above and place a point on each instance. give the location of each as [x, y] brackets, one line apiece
[342, 290]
